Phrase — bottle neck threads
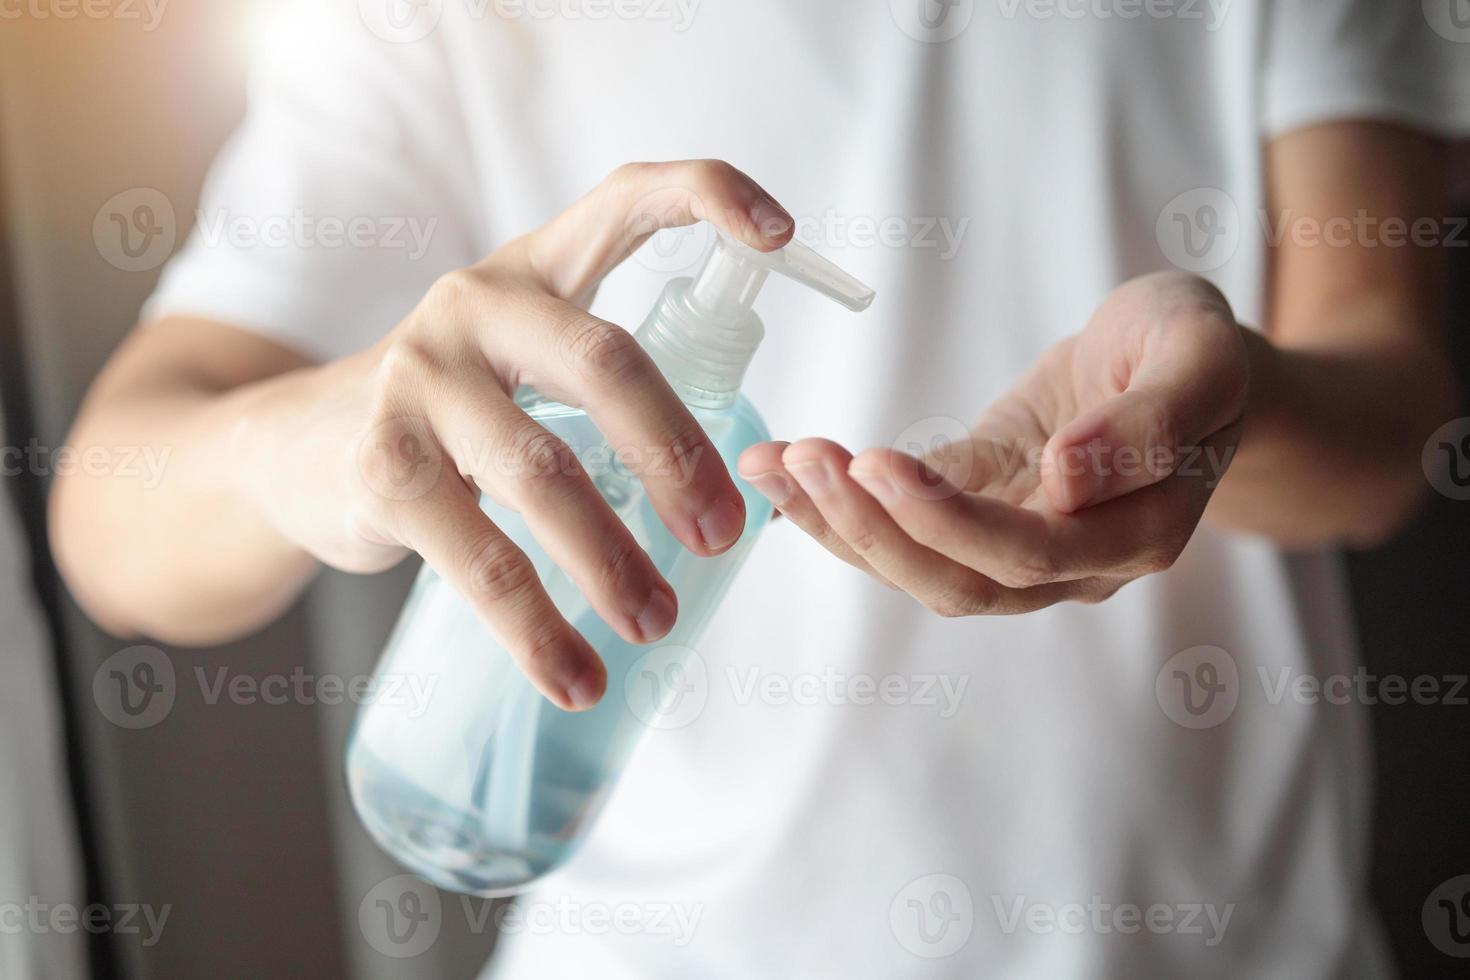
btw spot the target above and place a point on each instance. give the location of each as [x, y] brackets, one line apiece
[703, 357]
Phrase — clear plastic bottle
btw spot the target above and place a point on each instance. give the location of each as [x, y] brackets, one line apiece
[485, 786]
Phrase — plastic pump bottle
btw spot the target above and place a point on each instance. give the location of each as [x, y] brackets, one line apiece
[459, 768]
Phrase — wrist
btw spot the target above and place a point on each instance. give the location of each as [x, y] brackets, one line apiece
[267, 442]
[1264, 362]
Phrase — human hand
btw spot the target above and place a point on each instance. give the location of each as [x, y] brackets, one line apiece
[1093, 471]
[360, 461]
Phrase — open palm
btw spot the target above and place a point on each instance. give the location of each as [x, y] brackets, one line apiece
[1093, 471]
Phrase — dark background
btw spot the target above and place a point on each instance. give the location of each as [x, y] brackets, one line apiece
[1413, 606]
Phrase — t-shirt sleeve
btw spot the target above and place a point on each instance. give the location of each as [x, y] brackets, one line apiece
[1401, 60]
[347, 190]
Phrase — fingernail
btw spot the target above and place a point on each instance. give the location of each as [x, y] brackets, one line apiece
[771, 219]
[721, 525]
[583, 693]
[658, 616]
[880, 485]
[774, 487]
[813, 477]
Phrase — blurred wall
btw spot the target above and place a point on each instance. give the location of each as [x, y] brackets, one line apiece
[233, 814]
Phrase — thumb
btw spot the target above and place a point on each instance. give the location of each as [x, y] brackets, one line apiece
[1140, 436]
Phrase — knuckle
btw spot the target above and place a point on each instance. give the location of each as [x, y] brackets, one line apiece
[863, 541]
[954, 604]
[546, 650]
[406, 362]
[1188, 301]
[1159, 560]
[1161, 551]
[620, 565]
[498, 572]
[599, 352]
[943, 608]
[1098, 594]
[1036, 569]
[539, 457]
[453, 290]
[676, 455]
[368, 520]
[628, 173]
[1162, 438]
[713, 171]
[1054, 358]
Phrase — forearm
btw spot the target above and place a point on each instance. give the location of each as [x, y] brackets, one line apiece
[182, 553]
[1331, 450]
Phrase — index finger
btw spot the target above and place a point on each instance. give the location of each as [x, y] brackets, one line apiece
[576, 250]
[575, 357]
[589, 362]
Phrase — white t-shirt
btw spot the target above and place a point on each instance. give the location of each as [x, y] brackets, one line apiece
[870, 790]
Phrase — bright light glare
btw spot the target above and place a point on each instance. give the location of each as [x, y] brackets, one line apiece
[285, 29]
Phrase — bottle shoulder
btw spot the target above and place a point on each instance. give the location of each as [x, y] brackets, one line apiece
[742, 412]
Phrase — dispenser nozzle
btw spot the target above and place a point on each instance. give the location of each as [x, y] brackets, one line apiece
[703, 332]
[734, 273]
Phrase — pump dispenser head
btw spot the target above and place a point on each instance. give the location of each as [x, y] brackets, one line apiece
[703, 332]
